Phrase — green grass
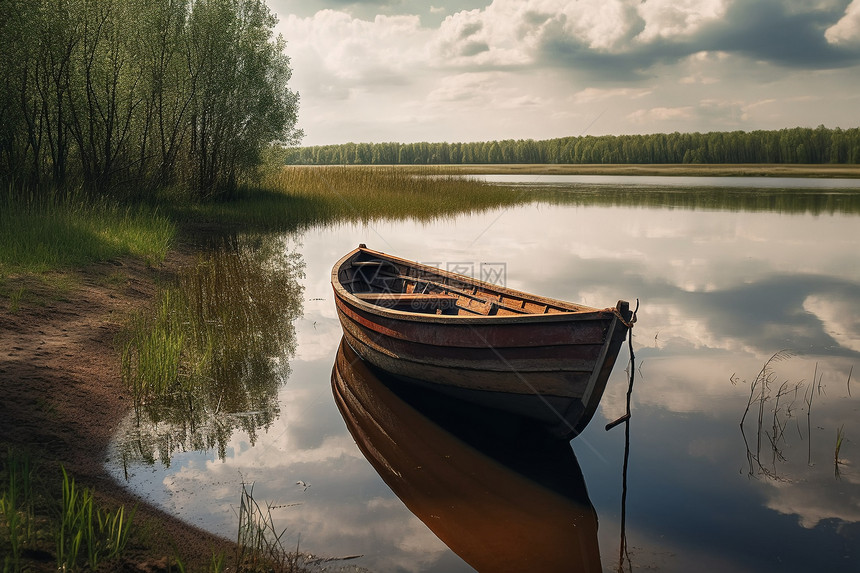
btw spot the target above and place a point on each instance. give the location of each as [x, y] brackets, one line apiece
[59, 232]
[99, 533]
[259, 544]
[17, 508]
[34, 519]
[299, 197]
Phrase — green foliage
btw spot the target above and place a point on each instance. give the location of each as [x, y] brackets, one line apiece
[177, 92]
[81, 531]
[39, 233]
[17, 508]
[101, 534]
[214, 352]
[796, 145]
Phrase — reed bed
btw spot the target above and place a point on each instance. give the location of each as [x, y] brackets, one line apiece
[299, 197]
[213, 352]
[372, 193]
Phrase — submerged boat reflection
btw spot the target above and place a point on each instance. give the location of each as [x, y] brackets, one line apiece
[498, 490]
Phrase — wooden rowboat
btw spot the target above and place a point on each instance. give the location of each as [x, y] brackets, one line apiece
[533, 356]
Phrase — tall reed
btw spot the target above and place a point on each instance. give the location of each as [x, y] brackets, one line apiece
[294, 198]
[373, 193]
[259, 545]
[840, 436]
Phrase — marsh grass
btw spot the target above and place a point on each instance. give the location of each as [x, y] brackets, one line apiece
[771, 407]
[299, 197]
[152, 354]
[259, 544]
[840, 436]
[62, 231]
[764, 399]
[373, 193]
[212, 353]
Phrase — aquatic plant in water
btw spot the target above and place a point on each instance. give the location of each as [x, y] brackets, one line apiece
[213, 354]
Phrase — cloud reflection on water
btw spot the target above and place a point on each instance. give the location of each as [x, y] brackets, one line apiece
[720, 293]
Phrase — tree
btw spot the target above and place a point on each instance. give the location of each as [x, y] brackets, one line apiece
[241, 101]
[148, 92]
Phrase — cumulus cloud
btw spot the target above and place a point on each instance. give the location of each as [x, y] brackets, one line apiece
[838, 318]
[617, 38]
[359, 51]
[603, 66]
[847, 30]
[673, 18]
[620, 38]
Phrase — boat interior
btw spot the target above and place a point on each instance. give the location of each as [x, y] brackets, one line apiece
[419, 289]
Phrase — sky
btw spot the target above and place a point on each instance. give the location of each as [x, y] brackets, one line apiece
[409, 71]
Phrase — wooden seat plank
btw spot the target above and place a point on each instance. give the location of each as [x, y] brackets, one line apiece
[377, 297]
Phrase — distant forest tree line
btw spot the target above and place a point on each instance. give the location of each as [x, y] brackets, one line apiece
[796, 145]
[134, 95]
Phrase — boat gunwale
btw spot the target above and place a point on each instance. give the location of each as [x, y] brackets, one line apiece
[587, 312]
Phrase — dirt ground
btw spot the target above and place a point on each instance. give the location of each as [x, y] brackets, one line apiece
[62, 396]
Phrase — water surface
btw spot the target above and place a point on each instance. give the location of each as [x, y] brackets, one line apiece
[746, 312]
[684, 182]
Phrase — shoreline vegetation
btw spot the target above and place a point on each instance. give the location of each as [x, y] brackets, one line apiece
[75, 271]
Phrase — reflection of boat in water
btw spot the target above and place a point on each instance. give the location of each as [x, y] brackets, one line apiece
[502, 507]
[533, 356]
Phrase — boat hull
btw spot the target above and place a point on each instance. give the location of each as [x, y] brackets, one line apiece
[500, 495]
[549, 367]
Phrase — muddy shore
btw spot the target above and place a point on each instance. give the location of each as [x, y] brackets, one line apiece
[63, 395]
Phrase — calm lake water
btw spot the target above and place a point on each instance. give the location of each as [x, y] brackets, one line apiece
[748, 311]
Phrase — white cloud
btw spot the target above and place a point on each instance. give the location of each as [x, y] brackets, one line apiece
[360, 51]
[511, 32]
[838, 317]
[847, 29]
[593, 94]
[810, 506]
[467, 87]
[660, 114]
[595, 66]
[672, 18]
